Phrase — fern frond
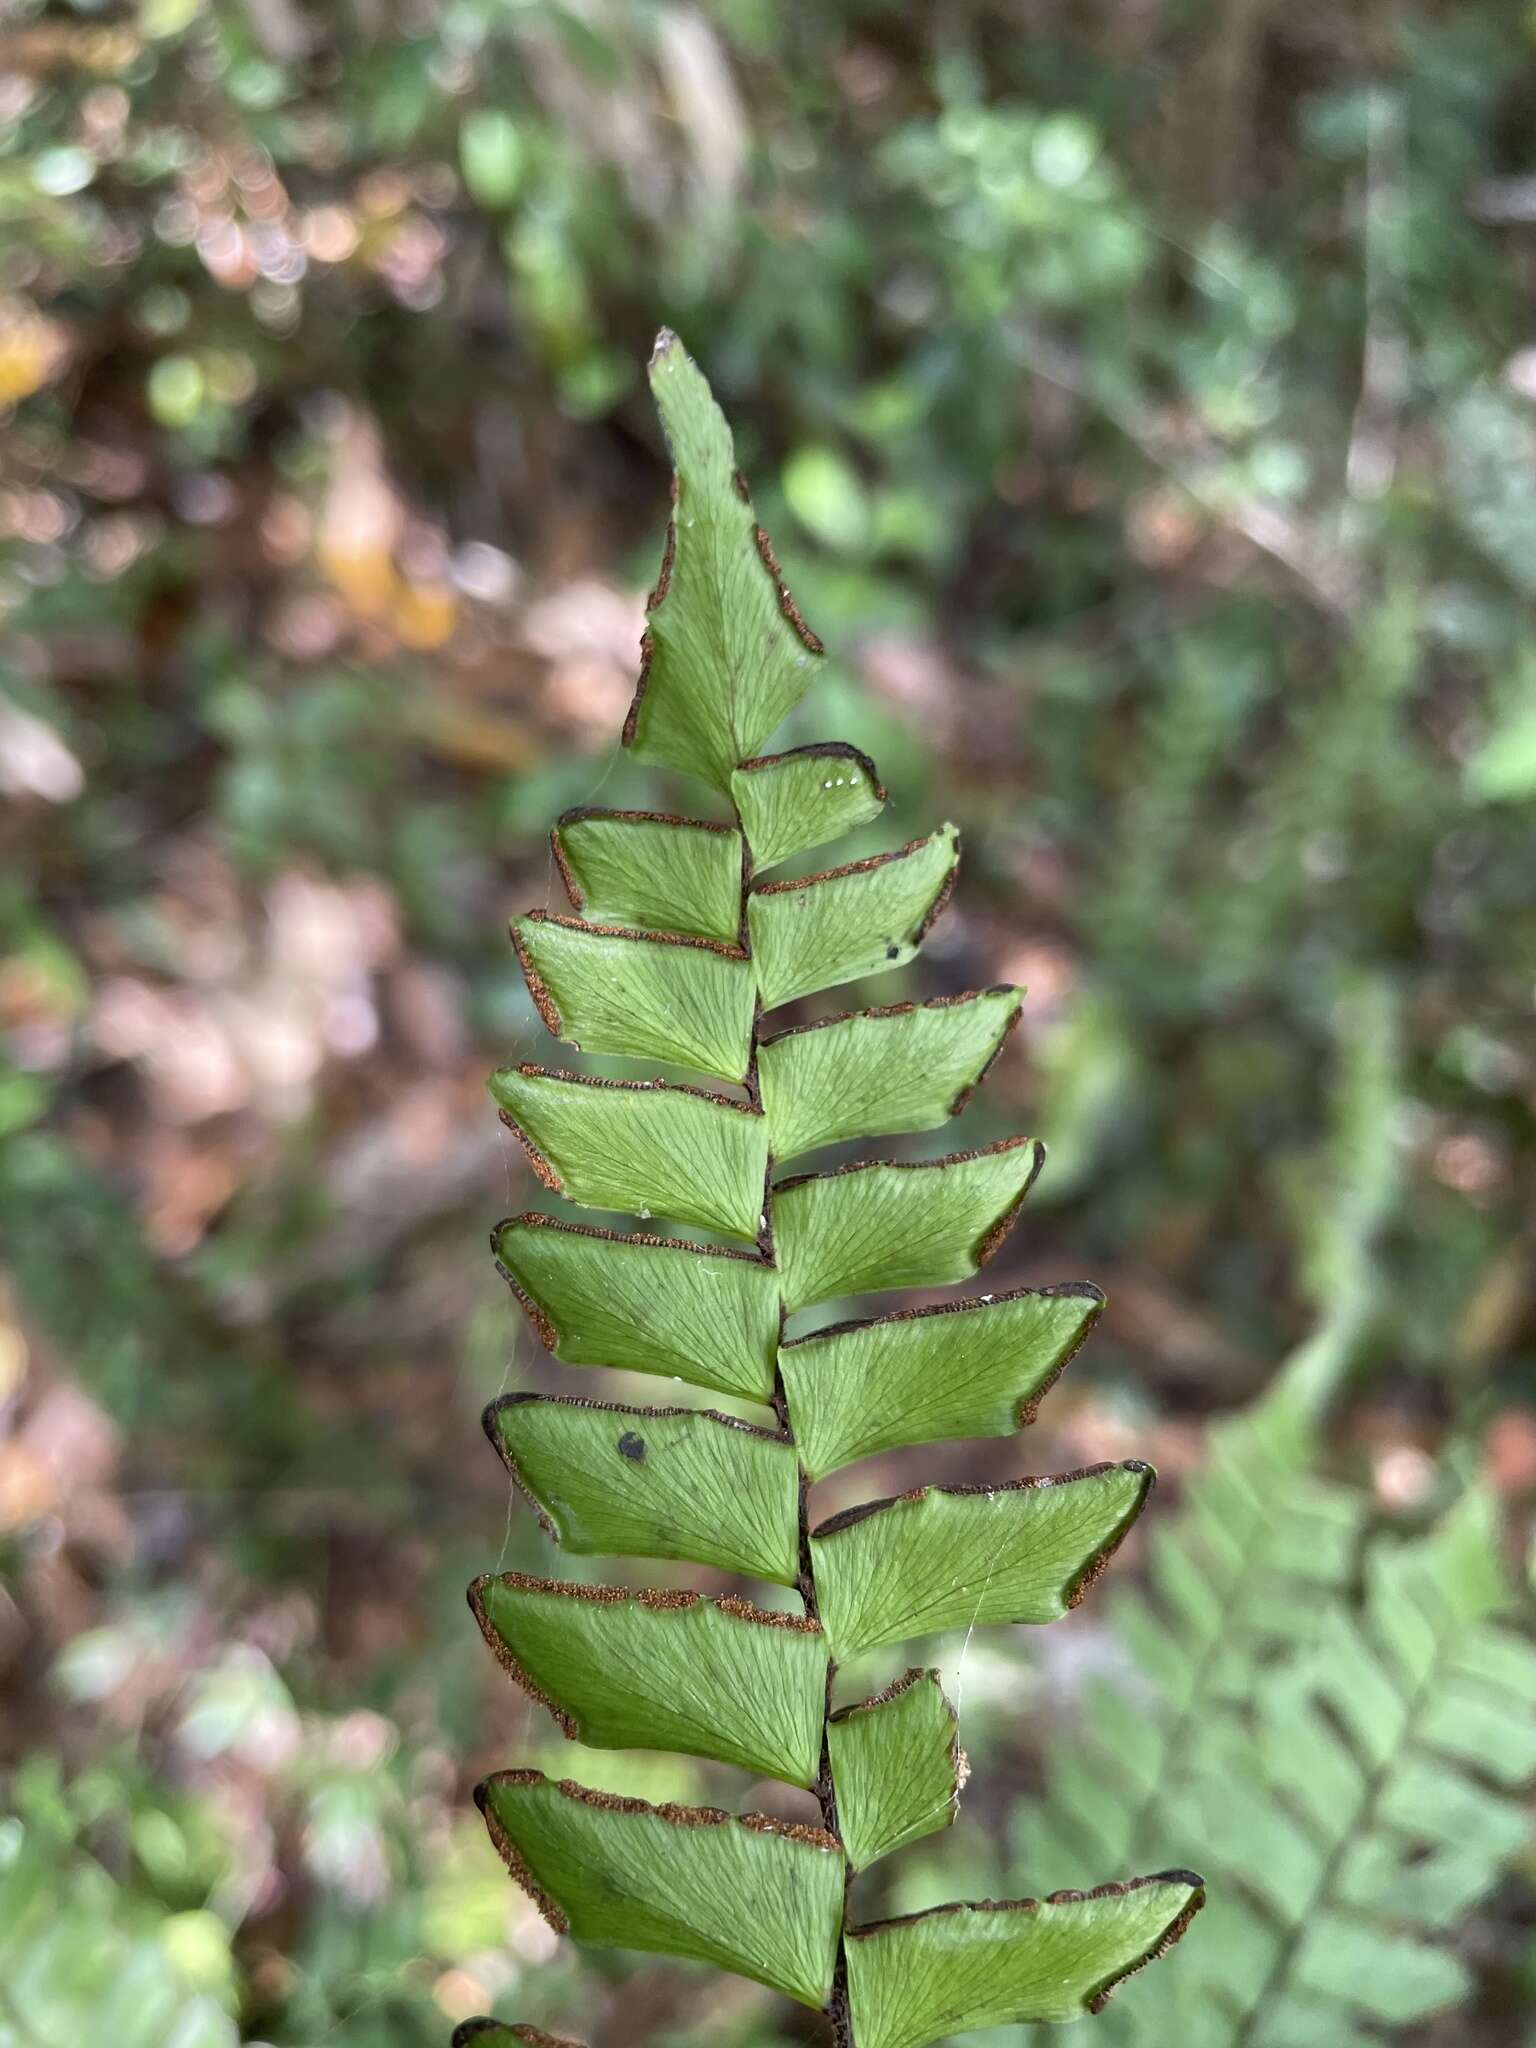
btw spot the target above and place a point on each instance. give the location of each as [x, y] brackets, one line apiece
[1261, 1541]
[1336, 1720]
[677, 952]
[1356, 1796]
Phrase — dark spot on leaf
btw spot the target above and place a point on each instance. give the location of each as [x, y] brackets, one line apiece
[632, 1447]
[891, 950]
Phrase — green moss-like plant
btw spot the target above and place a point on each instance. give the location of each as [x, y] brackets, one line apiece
[677, 950]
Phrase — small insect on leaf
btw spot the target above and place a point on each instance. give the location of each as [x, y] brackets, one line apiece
[688, 1483]
[791, 802]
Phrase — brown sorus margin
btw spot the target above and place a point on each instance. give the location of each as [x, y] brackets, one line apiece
[611, 1802]
[818, 750]
[578, 813]
[770, 562]
[544, 1003]
[908, 1009]
[866, 866]
[988, 1242]
[1061, 1290]
[662, 585]
[659, 1600]
[835, 1524]
[488, 1422]
[845, 1518]
[533, 1072]
[1101, 1997]
[959, 1762]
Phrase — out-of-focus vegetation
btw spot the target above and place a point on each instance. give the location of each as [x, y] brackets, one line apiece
[1143, 401]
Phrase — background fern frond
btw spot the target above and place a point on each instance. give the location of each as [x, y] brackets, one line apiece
[1356, 1789]
[1339, 1717]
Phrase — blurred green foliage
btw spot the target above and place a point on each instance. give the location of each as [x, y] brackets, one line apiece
[1142, 403]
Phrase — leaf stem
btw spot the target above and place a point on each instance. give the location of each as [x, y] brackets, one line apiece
[1362, 1825]
[837, 2011]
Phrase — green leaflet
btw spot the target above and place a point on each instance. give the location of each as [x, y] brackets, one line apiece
[606, 989]
[966, 1557]
[1436, 1890]
[1297, 2022]
[963, 1368]
[903, 1223]
[761, 1897]
[791, 802]
[933, 1974]
[645, 1304]
[640, 1146]
[1505, 1663]
[906, 1068]
[1391, 1978]
[897, 1765]
[646, 868]
[621, 1670]
[1478, 1726]
[654, 1482]
[851, 921]
[726, 655]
